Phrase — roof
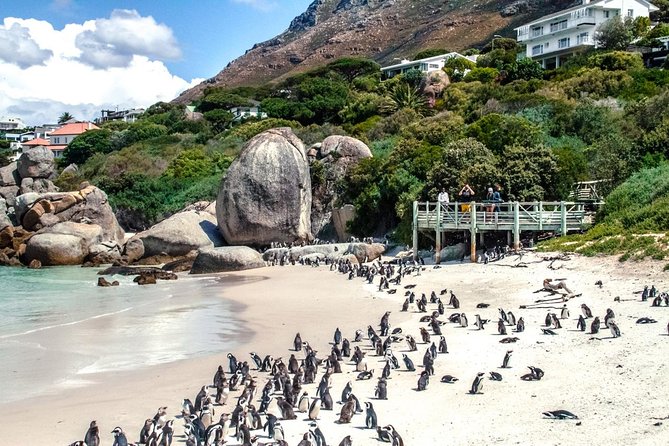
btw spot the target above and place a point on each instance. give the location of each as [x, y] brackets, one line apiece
[76, 128]
[600, 3]
[56, 148]
[36, 142]
[425, 60]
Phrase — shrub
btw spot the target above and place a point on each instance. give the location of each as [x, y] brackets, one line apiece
[616, 60]
[484, 75]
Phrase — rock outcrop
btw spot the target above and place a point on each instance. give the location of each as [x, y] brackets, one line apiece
[176, 236]
[363, 252]
[266, 194]
[64, 243]
[37, 162]
[336, 155]
[9, 175]
[226, 259]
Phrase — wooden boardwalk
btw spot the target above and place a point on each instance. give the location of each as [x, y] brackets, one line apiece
[512, 217]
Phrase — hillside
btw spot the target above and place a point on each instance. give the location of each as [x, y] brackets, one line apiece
[378, 29]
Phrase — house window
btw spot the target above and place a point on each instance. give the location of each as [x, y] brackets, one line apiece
[559, 26]
[582, 38]
[563, 43]
[630, 13]
[607, 14]
[537, 49]
[537, 31]
[434, 66]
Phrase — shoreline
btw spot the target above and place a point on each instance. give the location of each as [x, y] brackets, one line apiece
[597, 379]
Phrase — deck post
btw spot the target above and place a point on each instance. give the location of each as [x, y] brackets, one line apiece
[516, 225]
[437, 238]
[472, 231]
[541, 215]
[415, 230]
[563, 214]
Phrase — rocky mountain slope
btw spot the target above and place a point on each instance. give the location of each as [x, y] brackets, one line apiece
[383, 30]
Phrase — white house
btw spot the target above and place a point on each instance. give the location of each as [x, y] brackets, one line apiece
[61, 137]
[120, 115]
[11, 124]
[554, 38]
[241, 113]
[426, 65]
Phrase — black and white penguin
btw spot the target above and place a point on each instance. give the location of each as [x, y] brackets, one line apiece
[564, 313]
[494, 376]
[511, 318]
[501, 327]
[347, 412]
[384, 434]
[337, 336]
[580, 325]
[443, 347]
[520, 326]
[119, 437]
[423, 381]
[463, 320]
[346, 441]
[381, 391]
[477, 384]
[507, 357]
[168, 434]
[348, 389]
[297, 342]
[92, 437]
[371, 420]
[365, 375]
[257, 360]
[610, 315]
[448, 379]
[146, 431]
[319, 438]
[303, 404]
[594, 326]
[395, 436]
[615, 331]
[232, 363]
[587, 313]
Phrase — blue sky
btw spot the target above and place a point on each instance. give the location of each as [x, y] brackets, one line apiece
[89, 54]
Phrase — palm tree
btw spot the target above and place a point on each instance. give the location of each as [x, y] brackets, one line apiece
[404, 96]
[66, 116]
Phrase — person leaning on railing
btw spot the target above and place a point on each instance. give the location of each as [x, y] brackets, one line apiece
[465, 196]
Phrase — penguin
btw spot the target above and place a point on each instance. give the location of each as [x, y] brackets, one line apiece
[326, 400]
[494, 376]
[232, 363]
[206, 417]
[548, 321]
[395, 436]
[358, 407]
[423, 381]
[370, 416]
[92, 437]
[200, 397]
[257, 360]
[358, 336]
[270, 425]
[405, 305]
[564, 313]
[587, 313]
[297, 342]
[119, 437]
[503, 316]
[520, 326]
[315, 409]
[286, 409]
[463, 320]
[386, 370]
[511, 318]
[348, 388]
[555, 321]
[443, 347]
[560, 415]
[345, 347]
[147, 431]
[408, 363]
[412, 343]
[615, 331]
[381, 391]
[507, 357]
[594, 326]
[191, 439]
[279, 434]
[480, 323]
[384, 434]
[337, 336]
[501, 327]
[347, 412]
[346, 441]
[610, 315]
[168, 434]
[365, 375]
[213, 435]
[318, 435]
[303, 404]
[477, 384]
[448, 379]
[580, 325]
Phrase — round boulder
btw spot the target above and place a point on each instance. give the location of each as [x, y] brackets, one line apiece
[344, 147]
[225, 259]
[56, 249]
[366, 252]
[266, 194]
[36, 163]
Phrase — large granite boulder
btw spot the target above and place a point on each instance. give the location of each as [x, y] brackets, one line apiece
[266, 194]
[9, 175]
[225, 259]
[37, 162]
[335, 157]
[37, 185]
[366, 252]
[180, 234]
[4, 219]
[65, 243]
[9, 193]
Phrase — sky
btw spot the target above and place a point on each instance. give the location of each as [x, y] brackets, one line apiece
[82, 56]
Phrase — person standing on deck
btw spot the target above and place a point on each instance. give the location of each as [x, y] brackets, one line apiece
[443, 197]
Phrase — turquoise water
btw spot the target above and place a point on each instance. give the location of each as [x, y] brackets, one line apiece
[57, 328]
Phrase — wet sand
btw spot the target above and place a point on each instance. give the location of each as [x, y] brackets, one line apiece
[616, 386]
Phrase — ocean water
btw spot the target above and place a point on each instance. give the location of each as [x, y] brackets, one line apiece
[58, 328]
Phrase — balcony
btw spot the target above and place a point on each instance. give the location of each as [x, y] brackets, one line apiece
[553, 27]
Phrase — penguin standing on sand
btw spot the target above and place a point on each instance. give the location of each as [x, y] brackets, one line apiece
[507, 357]
[581, 323]
[92, 437]
[315, 409]
[303, 404]
[371, 420]
[318, 435]
[443, 347]
[477, 385]
[520, 326]
[564, 314]
[119, 437]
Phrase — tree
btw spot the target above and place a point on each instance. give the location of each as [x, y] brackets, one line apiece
[64, 117]
[615, 34]
[524, 69]
[498, 131]
[431, 52]
[86, 145]
[353, 67]
[404, 96]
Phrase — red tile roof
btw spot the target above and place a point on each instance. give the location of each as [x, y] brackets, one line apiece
[55, 148]
[36, 142]
[76, 128]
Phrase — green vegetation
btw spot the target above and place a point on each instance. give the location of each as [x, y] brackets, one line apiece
[501, 121]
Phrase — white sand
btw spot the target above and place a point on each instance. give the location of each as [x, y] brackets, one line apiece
[616, 386]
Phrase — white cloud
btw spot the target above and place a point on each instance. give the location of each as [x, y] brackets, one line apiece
[260, 5]
[128, 73]
[113, 42]
[18, 47]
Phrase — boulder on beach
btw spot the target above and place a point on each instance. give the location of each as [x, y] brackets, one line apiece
[366, 252]
[4, 218]
[454, 252]
[266, 194]
[9, 175]
[37, 162]
[225, 259]
[361, 251]
[178, 235]
[56, 249]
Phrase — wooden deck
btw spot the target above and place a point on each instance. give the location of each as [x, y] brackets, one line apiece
[513, 217]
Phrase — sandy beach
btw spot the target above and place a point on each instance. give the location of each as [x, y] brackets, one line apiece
[617, 387]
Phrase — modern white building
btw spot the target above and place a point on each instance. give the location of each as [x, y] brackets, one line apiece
[11, 123]
[427, 65]
[554, 38]
[241, 113]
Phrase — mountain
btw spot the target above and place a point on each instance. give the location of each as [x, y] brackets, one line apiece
[383, 30]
